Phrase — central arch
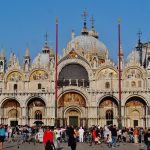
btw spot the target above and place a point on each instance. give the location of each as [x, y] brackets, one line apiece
[71, 108]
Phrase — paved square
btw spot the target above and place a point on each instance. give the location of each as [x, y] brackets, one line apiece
[80, 146]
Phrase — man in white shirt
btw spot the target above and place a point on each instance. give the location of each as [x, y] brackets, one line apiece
[81, 133]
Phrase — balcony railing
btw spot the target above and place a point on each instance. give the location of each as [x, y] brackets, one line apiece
[73, 82]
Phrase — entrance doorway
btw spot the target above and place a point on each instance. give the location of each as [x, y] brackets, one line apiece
[135, 123]
[73, 120]
[13, 123]
[109, 117]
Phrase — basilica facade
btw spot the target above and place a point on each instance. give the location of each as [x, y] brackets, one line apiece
[87, 85]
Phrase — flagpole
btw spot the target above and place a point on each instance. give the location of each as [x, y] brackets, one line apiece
[119, 84]
[56, 74]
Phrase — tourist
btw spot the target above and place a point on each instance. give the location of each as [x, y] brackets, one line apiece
[72, 138]
[136, 134]
[2, 136]
[81, 133]
[114, 136]
[40, 135]
[48, 139]
[147, 139]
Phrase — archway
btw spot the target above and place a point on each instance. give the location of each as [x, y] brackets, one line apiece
[73, 74]
[135, 112]
[36, 110]
[73, 116]
[108, 111]
[75, 102]
[11, 112]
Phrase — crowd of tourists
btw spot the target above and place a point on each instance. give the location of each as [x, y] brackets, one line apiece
[53, 137]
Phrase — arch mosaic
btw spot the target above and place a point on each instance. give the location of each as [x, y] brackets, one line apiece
[106, 73]
[12, 103]
[135, 100]
[36, 102]
[72, 98]
[15, 76]
[38, 75]
[108, 100]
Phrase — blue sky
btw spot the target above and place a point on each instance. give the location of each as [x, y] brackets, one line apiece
[24, 23]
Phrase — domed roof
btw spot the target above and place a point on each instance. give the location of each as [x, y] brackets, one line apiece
[134, 56]
[88, 43]
[41, 59]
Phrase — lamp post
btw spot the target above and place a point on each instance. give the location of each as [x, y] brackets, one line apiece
[15, 91]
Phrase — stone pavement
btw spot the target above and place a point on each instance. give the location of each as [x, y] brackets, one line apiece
[80, 146]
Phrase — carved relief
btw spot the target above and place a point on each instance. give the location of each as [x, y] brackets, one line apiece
[72, 98]
[15, 76]
[39, 75]
[133, 73]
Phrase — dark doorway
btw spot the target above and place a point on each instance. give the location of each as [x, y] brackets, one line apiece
[109, 122]
[73, 120]
[109, 117]
[135, 122]
[13, 123]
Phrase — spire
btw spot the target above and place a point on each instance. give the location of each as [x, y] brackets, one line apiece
[2, 53]
[139, 47]
[11, 59]
[73, 34]
[93, 33]
[46, 48]
[139, 36]
[46, 37]
[27, 53]
[93, 20]
[84, 30]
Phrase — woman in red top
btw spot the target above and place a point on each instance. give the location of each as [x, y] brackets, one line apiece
[94, 134]
[48, 139]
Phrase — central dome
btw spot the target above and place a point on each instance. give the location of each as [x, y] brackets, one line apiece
[88, 43]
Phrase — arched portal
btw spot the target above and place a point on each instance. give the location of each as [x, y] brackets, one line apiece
[108, 111]
[76, 104]
[135, 111]
[73, 117]
[11, 112]
[36, 110]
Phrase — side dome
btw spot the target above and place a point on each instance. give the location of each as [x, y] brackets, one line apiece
[133, 57]
[41, 59]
